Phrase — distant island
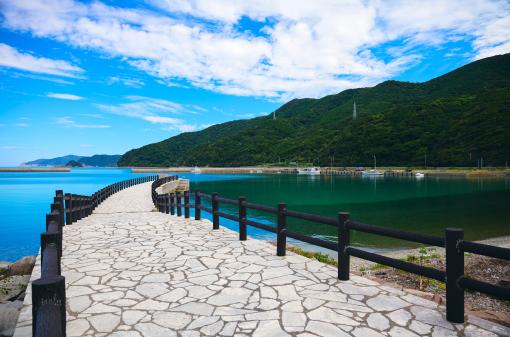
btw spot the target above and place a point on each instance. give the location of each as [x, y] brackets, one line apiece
[459, 119]
[98, 160]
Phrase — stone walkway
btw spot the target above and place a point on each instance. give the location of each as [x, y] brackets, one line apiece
[134, 272]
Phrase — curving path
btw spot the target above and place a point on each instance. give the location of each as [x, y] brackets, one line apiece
[131, 271]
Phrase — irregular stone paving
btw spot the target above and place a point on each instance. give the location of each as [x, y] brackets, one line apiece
[133, 272]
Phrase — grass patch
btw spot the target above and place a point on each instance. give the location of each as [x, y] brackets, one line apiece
[321, 257]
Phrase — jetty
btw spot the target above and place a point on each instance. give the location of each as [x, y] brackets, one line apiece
[136, 263]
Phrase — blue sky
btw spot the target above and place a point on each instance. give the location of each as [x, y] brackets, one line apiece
[108, 76]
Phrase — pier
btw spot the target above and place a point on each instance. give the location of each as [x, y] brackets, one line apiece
[133, 270]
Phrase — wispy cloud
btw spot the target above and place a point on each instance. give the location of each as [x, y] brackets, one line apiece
[129, 82]
[39, 77]
[9, 147]
[68, 122]
[97, 116]
[152, 110]
[22, 125]
[68, 97]
[12, 58]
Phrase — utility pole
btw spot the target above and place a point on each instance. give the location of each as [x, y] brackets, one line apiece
[274, 115]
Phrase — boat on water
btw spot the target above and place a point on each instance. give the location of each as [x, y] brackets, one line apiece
[309, 170]
[374, 172]
[419, 175]
[196, 170]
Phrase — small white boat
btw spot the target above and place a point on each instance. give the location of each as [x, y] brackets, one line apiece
[419, 175]
[196, 170]
[372, 173]
[309, 170]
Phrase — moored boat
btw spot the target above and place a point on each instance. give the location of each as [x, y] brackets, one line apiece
[309, 170]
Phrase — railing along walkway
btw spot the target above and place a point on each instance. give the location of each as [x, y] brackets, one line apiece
[146, 273]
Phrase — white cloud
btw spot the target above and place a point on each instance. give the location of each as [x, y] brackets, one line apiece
[129, 82]
[70, 123]
[151, 109]
[69, 97]
[22, 125]
[304, 48]
[12, 58]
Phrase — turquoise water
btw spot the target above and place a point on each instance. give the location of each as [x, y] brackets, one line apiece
[480, 206]
[25, 198]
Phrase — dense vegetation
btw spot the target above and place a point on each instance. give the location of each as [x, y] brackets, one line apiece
[98, 160]
[452, 120]
[74, 163]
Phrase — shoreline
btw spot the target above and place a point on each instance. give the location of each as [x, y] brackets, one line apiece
[392, 171]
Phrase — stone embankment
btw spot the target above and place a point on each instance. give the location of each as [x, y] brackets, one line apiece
[14, 278]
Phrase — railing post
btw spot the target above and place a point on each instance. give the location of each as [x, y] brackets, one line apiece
[186, 204]
[281, 235]
[454, 271]
[215, 215]
[198, 204]
[68, 206]
[179, 210]
[49, 307]
[242, 218]
[52, 239]
[59, 195]
[167, 203]
[344, 260]
[172, 203]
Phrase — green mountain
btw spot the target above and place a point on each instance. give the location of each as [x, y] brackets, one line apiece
[452, 120]
[98, 160]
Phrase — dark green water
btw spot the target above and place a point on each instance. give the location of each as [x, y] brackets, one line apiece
[480, 206]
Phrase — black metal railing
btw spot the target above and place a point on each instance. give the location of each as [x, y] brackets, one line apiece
[453, 243]
[48, 292]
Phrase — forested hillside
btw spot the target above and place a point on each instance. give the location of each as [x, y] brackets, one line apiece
[452, 120]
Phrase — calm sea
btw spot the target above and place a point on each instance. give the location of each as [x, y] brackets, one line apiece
[480, 206]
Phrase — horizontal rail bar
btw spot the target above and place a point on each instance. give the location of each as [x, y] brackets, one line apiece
[206, 196]
[208, 210]
[397, 234]
[312, 240]
[228, 216]
[228, 201]
[314, 218]
[486, 250]
[261, 226]
[483, 287]
[261, 208]
[403, 265]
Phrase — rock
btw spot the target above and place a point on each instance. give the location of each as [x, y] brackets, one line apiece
[23, 266]
[4, 268]
[9, 312]
[13, 287]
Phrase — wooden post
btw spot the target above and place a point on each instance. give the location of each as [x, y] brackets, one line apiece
[215, 215]
[186, 204]
[198, 204]
[49, 307]
[172, 203]
[59, 195]
[454, 271]
[179, 210]
[242, 218]
[68, 206]
[343, 243]
[281, 236]
[167, 203]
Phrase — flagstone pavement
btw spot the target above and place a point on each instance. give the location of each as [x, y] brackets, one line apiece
[131, 271]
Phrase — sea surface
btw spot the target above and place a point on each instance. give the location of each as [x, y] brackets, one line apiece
[480, 206]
